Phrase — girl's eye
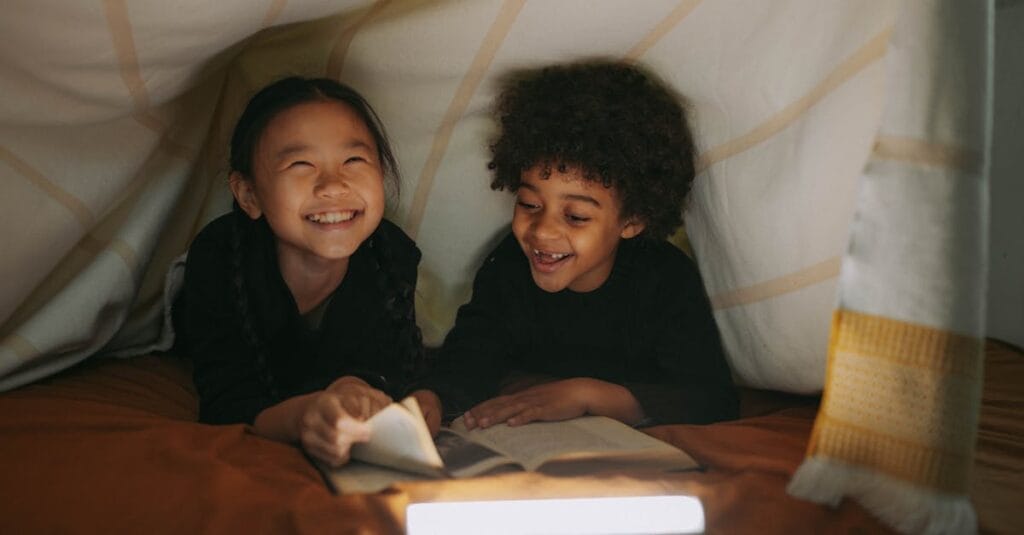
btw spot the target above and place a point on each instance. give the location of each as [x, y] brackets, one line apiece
[299, 163]
[577, 219]
[526, 205]
[355, 159]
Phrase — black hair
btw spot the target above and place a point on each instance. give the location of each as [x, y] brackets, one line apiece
[615, 121]
[398, 294]
[289, 92]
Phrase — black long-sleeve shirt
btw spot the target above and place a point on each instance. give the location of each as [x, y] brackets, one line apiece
[355, 335]
[649, 328]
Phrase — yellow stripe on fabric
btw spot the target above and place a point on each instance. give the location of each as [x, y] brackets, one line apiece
[924, 153]
[888, 392]
[73, 204]
[943, 471]
[474, 75]
[666, 25]
[121, 34]
[820, 272]
[909, 344]
[70, 267]
[21, 347]
[90, 245]
[276, 7]
[175, 148]
[148, 120]
[900, 398]
[127, 253]
[867, 54]
[123, 39]
[336, 59]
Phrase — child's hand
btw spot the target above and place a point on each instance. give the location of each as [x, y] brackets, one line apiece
[430, 406]
[559, 400]
[359, 399]
[327, 431]
[334, 419]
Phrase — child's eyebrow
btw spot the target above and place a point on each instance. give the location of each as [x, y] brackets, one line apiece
[568, 196]
[289, 150]
[583, 198]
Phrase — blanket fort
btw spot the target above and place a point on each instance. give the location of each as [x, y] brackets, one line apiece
[838, 217]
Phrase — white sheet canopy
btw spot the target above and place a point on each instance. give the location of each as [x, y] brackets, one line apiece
[838, 217]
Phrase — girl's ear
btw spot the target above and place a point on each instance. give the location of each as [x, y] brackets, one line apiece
[245, 195]
[632, 229]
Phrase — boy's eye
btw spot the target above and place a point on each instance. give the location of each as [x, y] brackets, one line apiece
[527, 205]
[575, 218]
[355, 159]
[299, 163]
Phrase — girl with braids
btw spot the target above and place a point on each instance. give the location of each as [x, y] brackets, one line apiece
[585, 308]
[297, 307]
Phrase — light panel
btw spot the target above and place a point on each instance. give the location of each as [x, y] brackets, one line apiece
[578, 516]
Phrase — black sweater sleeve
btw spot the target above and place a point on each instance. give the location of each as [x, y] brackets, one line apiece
[695, 384]
[209, 331]
[400, 347]
[474, 357]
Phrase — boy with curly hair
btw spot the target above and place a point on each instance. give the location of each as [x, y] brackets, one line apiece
[585, 308]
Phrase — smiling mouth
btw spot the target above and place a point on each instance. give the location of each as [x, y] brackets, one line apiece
[548, 260]
[327, 218]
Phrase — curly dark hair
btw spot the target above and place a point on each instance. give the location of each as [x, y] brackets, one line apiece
[616, 122]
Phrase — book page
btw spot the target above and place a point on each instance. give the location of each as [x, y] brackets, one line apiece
[603, 440]
[360, 477]
[464, 458]
[400, 439]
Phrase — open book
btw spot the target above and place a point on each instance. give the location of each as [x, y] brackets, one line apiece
[402, 449]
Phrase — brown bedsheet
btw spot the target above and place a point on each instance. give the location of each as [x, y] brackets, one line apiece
[111, 447]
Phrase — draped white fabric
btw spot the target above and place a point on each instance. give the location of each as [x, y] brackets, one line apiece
[113, 142]
[115, 118]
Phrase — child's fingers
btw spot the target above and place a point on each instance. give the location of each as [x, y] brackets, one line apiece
[325, 442]
[527, 415]
[364, 407]
[469, 419]
[333, 445]
[498, 410]
[357, 406]
[327, 451]
[378, 402]
[351, 431]
[363, 404]
[321, 419]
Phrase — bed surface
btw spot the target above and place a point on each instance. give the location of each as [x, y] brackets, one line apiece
[112, 446]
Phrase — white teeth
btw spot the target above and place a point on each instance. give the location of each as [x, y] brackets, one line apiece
[332, 217]
[553, 256]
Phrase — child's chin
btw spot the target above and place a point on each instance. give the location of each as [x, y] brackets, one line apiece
[548, 285]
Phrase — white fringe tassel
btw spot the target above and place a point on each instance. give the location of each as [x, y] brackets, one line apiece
[905, 507]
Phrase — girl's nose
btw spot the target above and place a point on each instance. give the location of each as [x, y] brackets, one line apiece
[331, 185]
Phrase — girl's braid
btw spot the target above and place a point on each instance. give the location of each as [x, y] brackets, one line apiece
[400, 307]
[245, 313]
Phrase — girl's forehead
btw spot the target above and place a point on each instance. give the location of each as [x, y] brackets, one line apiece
[317, 111]
[317, 121]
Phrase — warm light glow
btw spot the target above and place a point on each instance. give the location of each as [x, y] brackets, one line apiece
[639, 514]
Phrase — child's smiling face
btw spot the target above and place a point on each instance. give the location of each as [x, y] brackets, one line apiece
[318, 180]
[569, 228]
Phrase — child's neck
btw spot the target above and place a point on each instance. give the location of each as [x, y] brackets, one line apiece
[311, 280]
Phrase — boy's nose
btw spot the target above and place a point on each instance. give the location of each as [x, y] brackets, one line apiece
[545, 227]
